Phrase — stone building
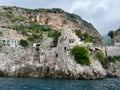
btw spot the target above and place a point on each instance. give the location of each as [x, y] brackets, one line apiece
[9, 36]
[66, 41]
[13, 42]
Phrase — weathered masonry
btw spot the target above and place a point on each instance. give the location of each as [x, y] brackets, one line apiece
[13, 42]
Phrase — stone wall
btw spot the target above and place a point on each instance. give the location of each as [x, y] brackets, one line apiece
[113, 50]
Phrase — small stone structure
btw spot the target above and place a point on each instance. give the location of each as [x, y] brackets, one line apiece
[10, 37]
[113, 50]
[10, 41]
[68, 38]
[66, 41]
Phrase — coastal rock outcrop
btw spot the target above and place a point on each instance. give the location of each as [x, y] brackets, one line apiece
[50, 67]
[43, 61]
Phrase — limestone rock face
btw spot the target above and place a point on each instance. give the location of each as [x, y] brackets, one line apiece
[52, 17]
[71, 69]
[50, 67]
[57, 20]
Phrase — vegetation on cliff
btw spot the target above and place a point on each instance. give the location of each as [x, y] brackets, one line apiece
[111, 35]
[114, 58]
[34, 31]
[81, 54]
[25, 21]
[0, 33]
[42, 10]
[114, 35]
[55, 35]
[23, 43]
[86, 37]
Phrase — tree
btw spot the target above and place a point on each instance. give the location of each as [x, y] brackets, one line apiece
[55, 35]
[24, 43]
[111, 35]
[78, 33]
[81, 54]
[114, 58]
[0, 33]
[86, 37]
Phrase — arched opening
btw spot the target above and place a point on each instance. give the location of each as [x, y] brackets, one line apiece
[65, 48]
[56, 55]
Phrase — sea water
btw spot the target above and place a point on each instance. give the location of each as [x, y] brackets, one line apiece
[58, 84]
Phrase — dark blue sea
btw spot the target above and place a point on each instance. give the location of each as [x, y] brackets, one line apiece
[58, 84]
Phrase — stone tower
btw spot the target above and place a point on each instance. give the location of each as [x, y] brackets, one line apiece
[66, 41]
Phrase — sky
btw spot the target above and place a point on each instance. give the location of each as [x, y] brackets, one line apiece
[103, 14]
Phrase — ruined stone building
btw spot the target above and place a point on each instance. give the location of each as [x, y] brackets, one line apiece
[66, 41]
[10, 37]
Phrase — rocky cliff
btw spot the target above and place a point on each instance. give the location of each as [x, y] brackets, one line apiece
[53, 17]
[44, 60]
[31, 62]
[24, 65]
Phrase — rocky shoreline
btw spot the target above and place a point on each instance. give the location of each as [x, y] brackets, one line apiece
[14, 68]
[56, 62]
[27, 69]
[25, 63]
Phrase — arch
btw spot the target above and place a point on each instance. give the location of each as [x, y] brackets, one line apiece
[97, 48]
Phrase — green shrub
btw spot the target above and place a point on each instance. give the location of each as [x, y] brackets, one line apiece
[18, 27]
[31, 38]
[86, 40]
[86, 37]
[24, 32]
[55, 35]
[78, 33]
[42, 10]
[111, 34]
[0, 33]
[35, 37]
[6, 14]
[14, 19]
[81, 54]
[33, 27]
[100, 56]
[24, 43]
[114, 58]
